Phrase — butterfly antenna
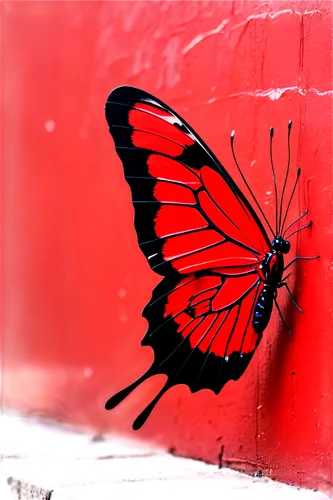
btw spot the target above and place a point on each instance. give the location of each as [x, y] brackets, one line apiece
[298, 230]
[287, 173]
[271, 132]
[245, 182]
[291, 197]
[294, 221]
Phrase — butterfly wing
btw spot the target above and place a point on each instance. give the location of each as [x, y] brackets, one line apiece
[196, 229]
[200, 327]
[201, 330]
[185, 201]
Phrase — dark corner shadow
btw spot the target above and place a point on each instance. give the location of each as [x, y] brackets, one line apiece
[281, 344]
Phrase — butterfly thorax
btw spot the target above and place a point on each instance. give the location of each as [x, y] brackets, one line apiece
[273, 263]
[272, 268]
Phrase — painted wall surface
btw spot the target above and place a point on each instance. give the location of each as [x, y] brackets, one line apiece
[75, 281]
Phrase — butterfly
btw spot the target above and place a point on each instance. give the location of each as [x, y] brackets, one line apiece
[221, 272]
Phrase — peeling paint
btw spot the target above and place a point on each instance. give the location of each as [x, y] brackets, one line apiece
[274, 15]
[202, 36]
[273, 94]
[264, 16]
[170, 53]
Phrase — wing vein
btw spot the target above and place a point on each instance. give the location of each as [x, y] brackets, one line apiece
[149, 132]
[232, 222]
[193, 252]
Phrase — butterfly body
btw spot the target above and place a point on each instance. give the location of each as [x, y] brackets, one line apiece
[272, 269]
[220, 271]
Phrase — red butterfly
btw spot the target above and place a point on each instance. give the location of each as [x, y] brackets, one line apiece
[221, 272]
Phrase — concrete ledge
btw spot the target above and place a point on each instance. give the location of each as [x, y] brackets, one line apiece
[46, 462]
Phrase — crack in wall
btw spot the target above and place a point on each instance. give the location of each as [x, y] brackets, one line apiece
[274, 15]
[273, 93]
[202, 36]
[264, 16]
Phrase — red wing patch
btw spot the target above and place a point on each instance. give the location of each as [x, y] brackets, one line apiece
[167, 192]
[215, 311]
[173, 220]
[236, 220]
[162, 168]
[147, 120]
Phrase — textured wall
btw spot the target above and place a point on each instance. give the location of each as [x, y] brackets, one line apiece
[75, 282]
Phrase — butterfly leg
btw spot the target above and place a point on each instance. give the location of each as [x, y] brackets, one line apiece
[284, 279]
[280, 314]
[300, 258]
[280, 285]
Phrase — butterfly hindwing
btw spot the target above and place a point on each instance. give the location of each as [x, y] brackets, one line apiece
[200, 327]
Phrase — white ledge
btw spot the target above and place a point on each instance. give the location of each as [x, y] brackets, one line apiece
[47, 462]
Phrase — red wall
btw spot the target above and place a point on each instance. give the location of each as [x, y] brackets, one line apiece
[75, 282]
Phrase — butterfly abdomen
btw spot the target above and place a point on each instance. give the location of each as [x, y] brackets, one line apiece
[263, 308]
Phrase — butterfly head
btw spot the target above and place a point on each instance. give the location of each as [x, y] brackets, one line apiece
[280, 245]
